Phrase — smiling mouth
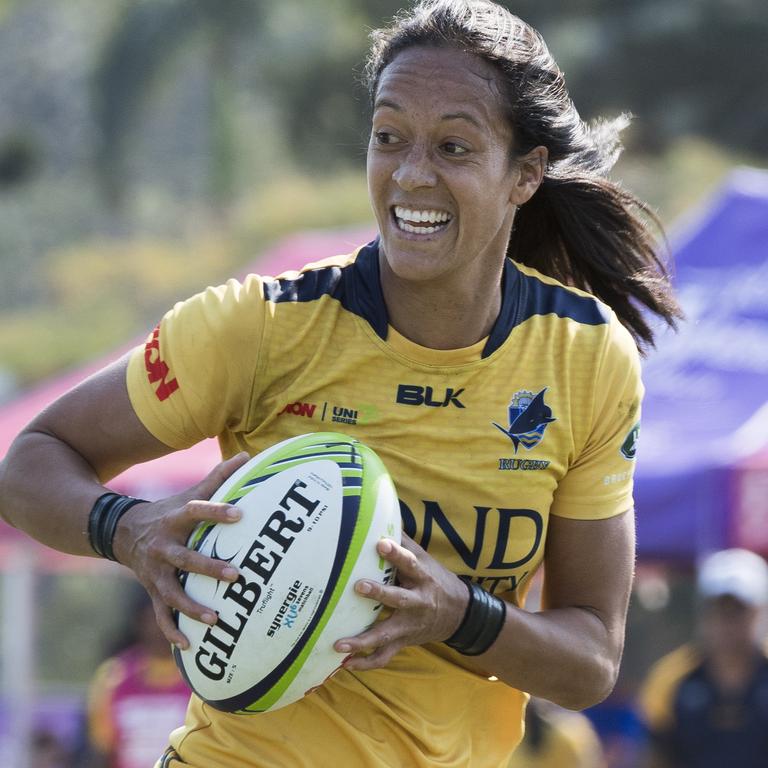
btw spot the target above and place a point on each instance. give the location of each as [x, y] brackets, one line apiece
[421, 221]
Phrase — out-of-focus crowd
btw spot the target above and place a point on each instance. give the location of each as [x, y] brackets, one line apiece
[704, 705]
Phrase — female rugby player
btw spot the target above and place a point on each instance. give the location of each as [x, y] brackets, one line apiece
[490, 332]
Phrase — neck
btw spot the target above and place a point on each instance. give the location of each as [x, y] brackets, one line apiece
[444, 313]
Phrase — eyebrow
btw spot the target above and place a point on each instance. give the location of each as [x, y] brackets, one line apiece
[449, 116]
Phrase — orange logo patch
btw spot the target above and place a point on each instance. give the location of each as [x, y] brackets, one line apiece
[299, 409]
[157, 368]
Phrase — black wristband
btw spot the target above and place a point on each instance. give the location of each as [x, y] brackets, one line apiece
[481, 624]
[102, 522]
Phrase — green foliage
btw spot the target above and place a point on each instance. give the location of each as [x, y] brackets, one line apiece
[302, 202]
[211, 129]
[147, 38]
[101, 292]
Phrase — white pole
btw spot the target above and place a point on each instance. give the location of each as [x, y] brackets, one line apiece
[18, 651]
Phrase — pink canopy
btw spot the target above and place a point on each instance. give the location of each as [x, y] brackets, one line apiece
[181, 469]
[750, 520]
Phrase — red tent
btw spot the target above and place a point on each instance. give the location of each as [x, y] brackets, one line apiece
[182, 469]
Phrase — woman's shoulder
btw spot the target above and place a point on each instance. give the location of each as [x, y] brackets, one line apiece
[541, 294]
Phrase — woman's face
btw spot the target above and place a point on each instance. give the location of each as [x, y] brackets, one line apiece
[440, 177]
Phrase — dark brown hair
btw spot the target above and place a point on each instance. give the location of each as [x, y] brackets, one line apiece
[579, 227]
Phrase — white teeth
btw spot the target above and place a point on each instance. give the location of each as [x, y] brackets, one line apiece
[428, 215]
[416, 230]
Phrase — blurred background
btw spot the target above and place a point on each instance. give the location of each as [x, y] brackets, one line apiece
[151, 147]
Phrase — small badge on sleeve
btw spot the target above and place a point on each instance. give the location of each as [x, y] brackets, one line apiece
[629, 446]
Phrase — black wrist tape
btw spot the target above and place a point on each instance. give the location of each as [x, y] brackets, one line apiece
[481, 624]
[102, 522]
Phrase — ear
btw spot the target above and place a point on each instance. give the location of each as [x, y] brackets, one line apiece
[530, 169]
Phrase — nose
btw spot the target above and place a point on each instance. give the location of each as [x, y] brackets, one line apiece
[415, 170]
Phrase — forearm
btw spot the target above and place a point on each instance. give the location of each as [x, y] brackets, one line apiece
[54, 470]
[568, 653]
[47, 490]
[565, 655]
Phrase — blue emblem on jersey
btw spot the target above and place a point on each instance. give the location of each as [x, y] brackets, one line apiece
[528, 418]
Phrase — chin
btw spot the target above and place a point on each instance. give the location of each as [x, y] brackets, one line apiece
[413, 265]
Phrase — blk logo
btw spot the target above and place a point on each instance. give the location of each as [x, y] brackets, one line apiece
[411, 394]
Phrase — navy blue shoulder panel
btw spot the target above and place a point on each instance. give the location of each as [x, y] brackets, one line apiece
[524, 296]
[356, 286]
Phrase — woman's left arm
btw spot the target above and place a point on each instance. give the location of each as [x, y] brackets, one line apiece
[569, 652]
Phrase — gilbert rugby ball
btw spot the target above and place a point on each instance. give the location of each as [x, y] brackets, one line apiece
[313, 509]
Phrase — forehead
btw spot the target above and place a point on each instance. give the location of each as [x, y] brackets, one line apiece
[444, 79]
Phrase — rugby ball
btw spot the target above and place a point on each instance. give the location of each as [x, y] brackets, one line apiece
[313, 509]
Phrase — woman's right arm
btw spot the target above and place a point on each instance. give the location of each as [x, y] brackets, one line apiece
[55, 469]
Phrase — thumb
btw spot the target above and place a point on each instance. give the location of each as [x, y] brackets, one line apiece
[211, 482]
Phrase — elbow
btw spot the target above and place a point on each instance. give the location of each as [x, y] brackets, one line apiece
[593, 685]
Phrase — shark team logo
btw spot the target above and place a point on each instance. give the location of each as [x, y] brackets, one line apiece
[528, 418]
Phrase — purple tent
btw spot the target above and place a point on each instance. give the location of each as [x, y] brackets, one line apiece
[706, 406]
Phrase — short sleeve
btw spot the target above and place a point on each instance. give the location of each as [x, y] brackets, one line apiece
[195, 376]
[598, 483]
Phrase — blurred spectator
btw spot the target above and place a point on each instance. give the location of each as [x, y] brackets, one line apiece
[137, 696]
[556, 738]
[621, 732]
[706, 704]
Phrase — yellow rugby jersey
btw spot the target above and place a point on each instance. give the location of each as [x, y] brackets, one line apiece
[483, 443]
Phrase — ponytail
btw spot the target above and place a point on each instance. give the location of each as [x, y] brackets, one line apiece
[588, 232]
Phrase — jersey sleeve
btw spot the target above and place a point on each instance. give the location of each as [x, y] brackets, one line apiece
[196, 376]
[598, 483]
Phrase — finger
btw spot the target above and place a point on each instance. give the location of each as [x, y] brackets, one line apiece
[167, 625]
[391, 596]
[380, 634]
[185, 559]
[408, 543]
[200, 511]
[379, 658]
[211, 482]
[405, 561]
[170, 592]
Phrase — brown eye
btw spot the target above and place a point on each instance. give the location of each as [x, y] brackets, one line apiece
[452, 148]
[384, 137]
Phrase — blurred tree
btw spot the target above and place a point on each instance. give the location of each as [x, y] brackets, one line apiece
[681, 66]
[649, 57]
[147, 37]
[18, 158]
[253, 109]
